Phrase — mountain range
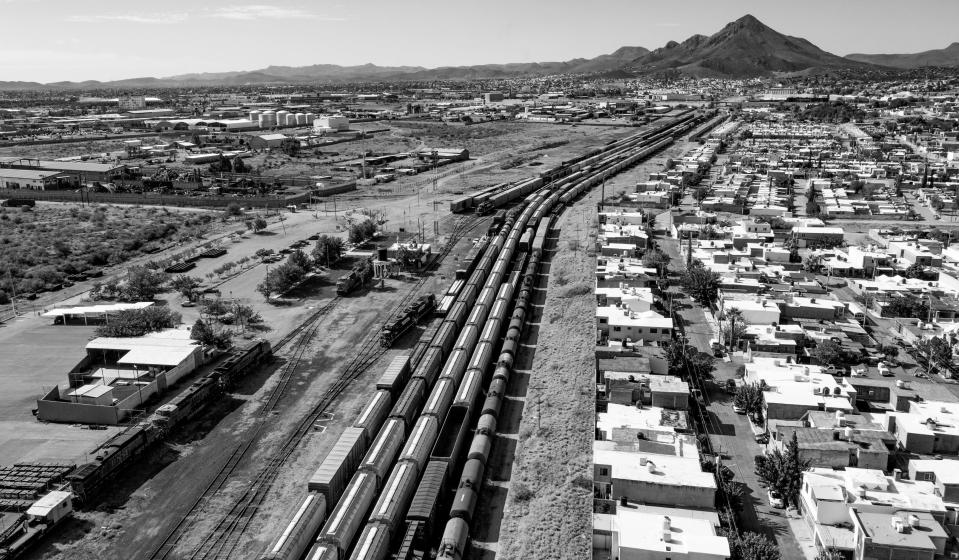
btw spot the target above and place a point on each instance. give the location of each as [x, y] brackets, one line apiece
[743, 48]
[948, 56]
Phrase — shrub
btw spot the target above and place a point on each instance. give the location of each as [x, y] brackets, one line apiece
[522, 492]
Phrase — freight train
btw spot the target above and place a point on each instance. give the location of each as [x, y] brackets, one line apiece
[122, 449]
[384, 496]
[395, 328]
[358, 277]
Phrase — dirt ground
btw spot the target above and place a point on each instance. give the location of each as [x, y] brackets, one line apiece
[140, 510]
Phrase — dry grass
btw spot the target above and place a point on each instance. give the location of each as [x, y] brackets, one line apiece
[549, 511]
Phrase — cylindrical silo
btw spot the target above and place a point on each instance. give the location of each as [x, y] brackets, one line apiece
[255, 116]
[281, 117]
[267, 119]
[300, 119]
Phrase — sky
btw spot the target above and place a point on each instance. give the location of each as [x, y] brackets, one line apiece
[54, 40]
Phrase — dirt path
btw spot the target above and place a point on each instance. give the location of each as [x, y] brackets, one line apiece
[545, 491]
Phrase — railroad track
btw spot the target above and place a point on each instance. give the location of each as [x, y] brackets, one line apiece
[228, 532]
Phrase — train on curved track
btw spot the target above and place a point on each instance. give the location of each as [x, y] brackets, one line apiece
[404, 479]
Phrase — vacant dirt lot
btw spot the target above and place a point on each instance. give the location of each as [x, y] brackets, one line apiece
[548, 512]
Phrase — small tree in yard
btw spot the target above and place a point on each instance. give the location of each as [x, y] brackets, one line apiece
[827, 353]
[915, 271]
[751, 546]
[654, 258]
[782, 470]
[734, 328]
[936, 351]
[259, 224]
[700, 282]
[749, 397]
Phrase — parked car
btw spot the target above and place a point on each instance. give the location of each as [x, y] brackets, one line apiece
[775, 499]
[738, 409]
[762, 438]
[833, 370]
[731, 386]
[884, 370]
[698, 396]
[187, 303]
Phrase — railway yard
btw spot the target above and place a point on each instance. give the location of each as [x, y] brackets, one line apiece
[314, 450]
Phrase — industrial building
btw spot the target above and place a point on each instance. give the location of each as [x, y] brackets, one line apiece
[328, 123]
[81, 170]
[37, 180]
[118, 375]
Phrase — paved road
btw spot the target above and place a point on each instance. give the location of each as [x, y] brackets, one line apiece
[730, 433]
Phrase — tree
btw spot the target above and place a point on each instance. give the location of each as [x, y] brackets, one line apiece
[734, 327]
[781, 470]
[867, 299]
[890, 351]
[936, 351]
[142, 284]
[138, 322]
[281, 278]
[685, 361]
[329, 249]
[299, 259]
[655, 258]
[827, 353]
[700, 282]
[936, 203]
[259, 224]
[812, 263]
[915, 270]
[749, 397]
[361, 231]
[204, 334]
[232, 209]
[185, 285]
[752, 546]
[907, 306]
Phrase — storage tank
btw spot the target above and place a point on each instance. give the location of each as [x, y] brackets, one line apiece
[290, 119]
[267, 119]
[255, 115]
[300, 119]
[309, 118]
[281, 117]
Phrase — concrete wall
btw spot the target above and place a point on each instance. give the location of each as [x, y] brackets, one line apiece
[49, 409]
[663, 494]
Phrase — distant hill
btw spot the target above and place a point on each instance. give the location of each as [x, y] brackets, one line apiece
[744, 48]
[948, 57]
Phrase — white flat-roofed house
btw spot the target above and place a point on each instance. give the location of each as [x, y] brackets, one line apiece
[636, 299]
[805, 236]
[929, 427]
[640, 532]
[793, 389]
[834, 503]
[650, 478]
[618, 323]
[756, 310]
